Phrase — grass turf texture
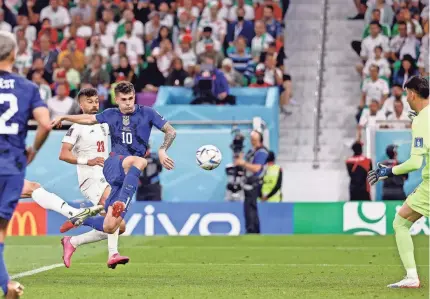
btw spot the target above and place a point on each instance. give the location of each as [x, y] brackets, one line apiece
[221, 267]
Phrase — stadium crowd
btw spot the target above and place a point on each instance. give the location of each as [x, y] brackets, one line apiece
[68, 45]
[394, 47]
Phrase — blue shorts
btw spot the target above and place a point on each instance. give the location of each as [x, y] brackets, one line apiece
[10, 193]
[113, 171]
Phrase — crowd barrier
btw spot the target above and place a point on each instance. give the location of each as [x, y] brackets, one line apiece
[204, 219]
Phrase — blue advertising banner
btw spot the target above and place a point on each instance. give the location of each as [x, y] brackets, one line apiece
[202, 219]
[401, 138]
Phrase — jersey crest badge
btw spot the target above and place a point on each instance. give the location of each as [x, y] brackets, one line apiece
[419, 142]
[126, 120]
[69, 132]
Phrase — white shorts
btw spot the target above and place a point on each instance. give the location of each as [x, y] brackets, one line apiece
[93, 189]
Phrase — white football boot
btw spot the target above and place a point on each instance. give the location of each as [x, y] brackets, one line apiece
[407, 282]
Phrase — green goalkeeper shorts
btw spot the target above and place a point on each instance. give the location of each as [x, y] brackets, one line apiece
[419, 200]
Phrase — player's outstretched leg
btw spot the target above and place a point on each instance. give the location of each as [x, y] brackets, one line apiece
[402, 223]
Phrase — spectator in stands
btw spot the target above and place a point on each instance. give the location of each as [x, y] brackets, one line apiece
[408, 69]
[206, 39]
[30, 32]
[214, 11]
[107, 40]
[423, 61]
[272, 74]
[261, 41]
[124, 69]
[58, 15]
[210, 50]
[392, 188]
[211, 86]
[241, 5]
[396, 95]
[369, 117]
[166, 18]
[185, 52]
[123, 51]
[186, 25]
[260, 7]
[374, 88]
[48, 30]
[241, 27]
[190, 9]
[44, 89]
[138, 28]
[361, 10]
[386, 12]
[163, 34]
[380, 61]
[95, 74]
[273, 27]
[48, 56]
[85, 11]
[234, 78]
[77, 56]
[177, 73]
[367, 47]
[9, 16]
[240, 54]
[38, 66]
[376, 17]
[79, 29]
[4, 26]
[149, 181]
[24, 58]
[72, 76]
[134, 44]
[108, 19]
[62, 104]
[72, 33]
[151, 78]
[259, 77]
[412, 25]
[218, 25]
[152, 27]
[400, 113]
[109, 6]
[358, 166]
[164, 55]
[401, 44]
[96, 47]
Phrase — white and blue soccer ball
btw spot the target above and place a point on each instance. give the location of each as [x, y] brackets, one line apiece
[208, 157]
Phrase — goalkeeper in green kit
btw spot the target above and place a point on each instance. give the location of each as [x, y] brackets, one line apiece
[417, 203]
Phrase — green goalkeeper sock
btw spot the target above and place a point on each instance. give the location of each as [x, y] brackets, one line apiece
[405, 245]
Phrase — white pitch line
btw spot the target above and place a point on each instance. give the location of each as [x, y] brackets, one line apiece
[36, 271]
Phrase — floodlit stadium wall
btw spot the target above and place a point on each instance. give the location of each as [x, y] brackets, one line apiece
[153, 219]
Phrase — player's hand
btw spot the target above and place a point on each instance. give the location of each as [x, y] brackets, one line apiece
[165, 160]
[379, 174]
[412, 114]
[96, 161]
[57, 122]
[31, 154]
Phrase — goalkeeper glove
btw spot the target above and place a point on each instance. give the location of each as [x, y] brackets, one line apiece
[381, 173]
[412, 114]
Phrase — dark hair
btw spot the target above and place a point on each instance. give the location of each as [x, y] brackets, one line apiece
[357, 148]
[270, 157]
[124, 87]
[374, 65]
[401, 23]
[378, 47]
[87, 92]
[270, 7]
[122, 43]
[376, 10]
[398, 101]
[419, 85]
[375, 23]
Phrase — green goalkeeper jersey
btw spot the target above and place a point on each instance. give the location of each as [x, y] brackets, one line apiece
[421, 139]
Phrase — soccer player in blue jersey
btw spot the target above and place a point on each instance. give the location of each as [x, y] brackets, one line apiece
[130, 127]
[19, 101]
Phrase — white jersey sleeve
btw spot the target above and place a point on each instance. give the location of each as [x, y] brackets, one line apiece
[72, 135]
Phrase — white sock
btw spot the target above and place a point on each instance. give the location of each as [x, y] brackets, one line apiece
[412, 273]
[50, 201]
[89, 237]
[113, 242]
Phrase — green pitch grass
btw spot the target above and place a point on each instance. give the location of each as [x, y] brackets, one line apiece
[327, 267]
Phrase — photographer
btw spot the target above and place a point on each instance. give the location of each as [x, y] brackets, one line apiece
[211, 86]
[253, 164]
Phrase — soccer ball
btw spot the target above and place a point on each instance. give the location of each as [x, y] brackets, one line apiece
[208, 157]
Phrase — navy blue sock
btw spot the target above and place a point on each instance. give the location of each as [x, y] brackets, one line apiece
[129, 185]
[4, 276]
[95, 222]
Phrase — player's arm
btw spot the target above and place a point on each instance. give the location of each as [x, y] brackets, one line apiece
[169, 136]
[67, 155]
[41, 115]
[82, 119]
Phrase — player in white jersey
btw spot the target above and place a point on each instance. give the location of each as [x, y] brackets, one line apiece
[87, 147]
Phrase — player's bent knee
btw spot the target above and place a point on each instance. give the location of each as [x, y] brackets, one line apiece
[401, 223]
[140, 163]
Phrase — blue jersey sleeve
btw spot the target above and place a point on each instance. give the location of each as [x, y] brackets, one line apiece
[37, 101]
[260, 157]
[157, 120]
[104, 116]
